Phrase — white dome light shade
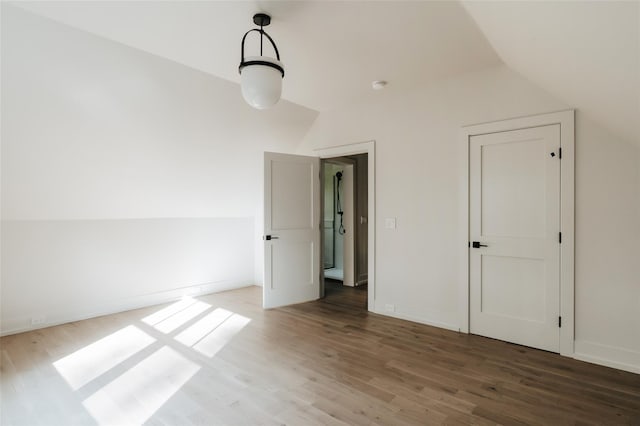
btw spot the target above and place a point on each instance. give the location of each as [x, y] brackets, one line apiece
[261, 76]
[261, 84]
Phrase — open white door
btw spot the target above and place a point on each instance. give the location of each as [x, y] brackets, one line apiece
[292, 229]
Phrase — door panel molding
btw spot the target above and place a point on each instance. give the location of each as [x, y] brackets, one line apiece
[566, 120]
[515, 211]
[292, 229]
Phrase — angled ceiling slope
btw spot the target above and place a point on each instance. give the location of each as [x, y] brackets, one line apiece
[332, 51]
[585, 53]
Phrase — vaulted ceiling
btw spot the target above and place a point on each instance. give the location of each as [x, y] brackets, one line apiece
[332, 51]
[585, 53]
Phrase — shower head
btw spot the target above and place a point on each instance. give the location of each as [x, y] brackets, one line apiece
[339, 175]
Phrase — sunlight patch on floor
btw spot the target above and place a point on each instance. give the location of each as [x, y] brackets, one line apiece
[138, 393]
[165, 313]
[95, 359]
[206, 325]
[221, 335]
[182, 317]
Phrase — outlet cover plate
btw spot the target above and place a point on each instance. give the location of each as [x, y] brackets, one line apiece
[38, 320]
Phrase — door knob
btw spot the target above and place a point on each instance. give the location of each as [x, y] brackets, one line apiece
[270, 237]
[476, 244]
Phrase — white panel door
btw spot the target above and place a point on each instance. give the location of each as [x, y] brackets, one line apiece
[514, 180]
[292, 229]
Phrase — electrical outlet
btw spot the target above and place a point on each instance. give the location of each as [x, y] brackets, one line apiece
[389, 307]
[40, 319]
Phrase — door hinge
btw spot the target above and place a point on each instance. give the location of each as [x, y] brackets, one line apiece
[560, 237]
[559, 321]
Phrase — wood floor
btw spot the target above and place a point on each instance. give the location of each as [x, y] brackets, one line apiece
[221, 359]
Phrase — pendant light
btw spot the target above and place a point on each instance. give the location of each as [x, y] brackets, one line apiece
[261, 76]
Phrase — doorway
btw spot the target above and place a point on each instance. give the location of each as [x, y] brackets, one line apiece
[293, 250]
[345, 226]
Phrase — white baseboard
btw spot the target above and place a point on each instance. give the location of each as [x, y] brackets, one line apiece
[609, 356]
[419, 320]
[23, 323]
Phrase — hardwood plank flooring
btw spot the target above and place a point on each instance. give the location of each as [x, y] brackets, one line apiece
[223, 360]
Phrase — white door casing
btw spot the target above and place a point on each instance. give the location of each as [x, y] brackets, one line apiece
[292, 229]
[566, 120]
[514, 201]
[348, 207]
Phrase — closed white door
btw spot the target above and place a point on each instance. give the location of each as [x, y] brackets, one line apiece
[514, 225]
[292, 229]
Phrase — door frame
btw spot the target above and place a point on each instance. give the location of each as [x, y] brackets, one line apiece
[354, 149]
[566, 120]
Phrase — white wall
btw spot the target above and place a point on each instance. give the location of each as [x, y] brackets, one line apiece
[127, 179]
[607, 298]
[72, 269]
[416, 136]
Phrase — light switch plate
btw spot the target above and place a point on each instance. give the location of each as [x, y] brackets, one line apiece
[390, 223]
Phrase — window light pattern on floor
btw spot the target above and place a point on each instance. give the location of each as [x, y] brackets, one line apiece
[178, 317]
[142, 390]
[124, 378]
[93, 360]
